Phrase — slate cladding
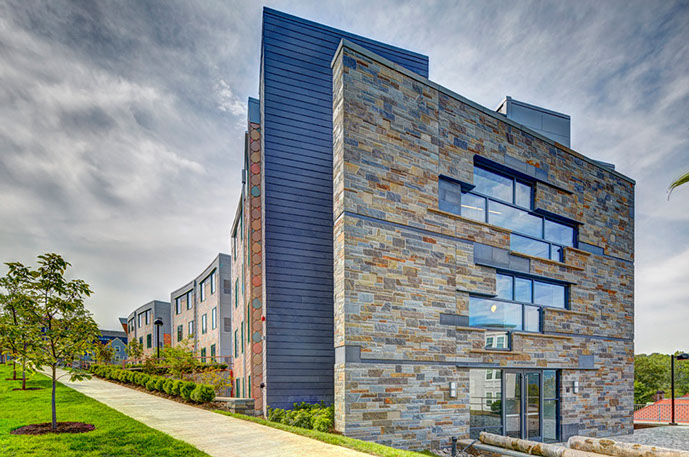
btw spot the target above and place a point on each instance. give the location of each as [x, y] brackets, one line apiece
[403, 268]
[296, 110]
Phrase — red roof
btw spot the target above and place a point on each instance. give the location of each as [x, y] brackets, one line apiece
[661, 411]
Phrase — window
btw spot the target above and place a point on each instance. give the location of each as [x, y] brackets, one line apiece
[204, 324]
[212, 353]
[518, 306]
[178, 305]
[507, 202]
[189, 299]
[212, 279]
[485, 412]
[214, 318]
[242, 337]
[202, 290]
[203, 355]
[191, 328]
[141, 341]
[148, 316]
[236, 345]
[236, 293]
[180, 331]
[140, 316]
[551, 405]
[148, 340]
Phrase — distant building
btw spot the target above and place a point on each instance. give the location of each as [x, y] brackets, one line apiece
[117, 340]
[140, 326]
[201, 309]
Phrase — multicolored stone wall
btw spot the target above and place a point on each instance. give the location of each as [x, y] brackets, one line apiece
[401, 263]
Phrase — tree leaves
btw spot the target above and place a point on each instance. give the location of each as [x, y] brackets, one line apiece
[678, 182]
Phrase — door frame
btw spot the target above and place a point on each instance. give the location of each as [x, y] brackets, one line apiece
[523, 408]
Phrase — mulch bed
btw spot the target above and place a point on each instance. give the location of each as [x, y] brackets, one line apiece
[29, 388]
[62, 427]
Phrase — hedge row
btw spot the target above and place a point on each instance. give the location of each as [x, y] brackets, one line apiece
[190, 391]
[310, 416]
[158, 370]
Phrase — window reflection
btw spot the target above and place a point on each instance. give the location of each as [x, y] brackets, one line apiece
[559, 233]
[549, 294]
[474, 207]
[529, 246]
[514, 219]
[485, 401]
[493, 185]
[493, 313]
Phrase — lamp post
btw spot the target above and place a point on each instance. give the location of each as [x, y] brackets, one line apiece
[158, 323]
[683, 356]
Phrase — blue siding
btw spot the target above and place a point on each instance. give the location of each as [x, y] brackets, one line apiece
[296, 106]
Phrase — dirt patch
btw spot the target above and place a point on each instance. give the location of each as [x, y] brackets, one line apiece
[62, 427]
[29, 388]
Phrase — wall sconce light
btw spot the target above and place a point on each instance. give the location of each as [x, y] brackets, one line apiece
[453, 390]
[575, 387]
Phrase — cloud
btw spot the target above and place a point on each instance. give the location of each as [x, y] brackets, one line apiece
[121, 124]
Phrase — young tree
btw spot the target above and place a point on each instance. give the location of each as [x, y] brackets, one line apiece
[180, 359]
[15, 318]
[104, 352]
[135, 350]
[67, 328]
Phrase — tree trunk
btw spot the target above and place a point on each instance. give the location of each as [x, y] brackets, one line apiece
[14, 368]
[23, 375]
[617, 449]
[53, 398]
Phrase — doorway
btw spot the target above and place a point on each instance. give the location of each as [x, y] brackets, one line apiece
[522, 411]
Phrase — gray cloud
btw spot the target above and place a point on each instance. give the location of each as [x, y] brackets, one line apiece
[121, 123]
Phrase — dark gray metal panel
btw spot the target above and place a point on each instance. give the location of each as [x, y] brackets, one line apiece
[500, 258]
[296, 105]
[454, 319]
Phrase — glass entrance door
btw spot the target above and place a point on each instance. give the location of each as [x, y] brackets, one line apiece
[532, 406]
[522, 391]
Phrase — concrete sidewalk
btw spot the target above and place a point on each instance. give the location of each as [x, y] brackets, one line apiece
[213, 433]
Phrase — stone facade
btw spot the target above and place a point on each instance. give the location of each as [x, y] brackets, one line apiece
[401, 263]
[190, 305]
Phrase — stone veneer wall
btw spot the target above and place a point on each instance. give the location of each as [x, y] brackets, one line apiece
[399, 263]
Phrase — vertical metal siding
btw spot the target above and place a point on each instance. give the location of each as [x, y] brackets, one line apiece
[297, 106]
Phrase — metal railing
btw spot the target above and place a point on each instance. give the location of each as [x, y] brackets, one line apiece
[661, 412]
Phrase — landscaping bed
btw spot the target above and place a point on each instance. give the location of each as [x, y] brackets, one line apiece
[113, 433]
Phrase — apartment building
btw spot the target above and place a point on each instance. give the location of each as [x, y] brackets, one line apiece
[201, 311]
[140, 326]
[433, 267]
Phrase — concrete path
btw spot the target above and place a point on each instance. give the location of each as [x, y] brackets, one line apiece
[213, 433]
[670, 436]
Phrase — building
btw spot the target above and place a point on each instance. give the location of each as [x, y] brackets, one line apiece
[433, 267]
[140, 326]
[117, 340]
[201, 310]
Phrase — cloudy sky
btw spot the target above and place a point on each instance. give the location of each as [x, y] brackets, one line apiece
[121, 123]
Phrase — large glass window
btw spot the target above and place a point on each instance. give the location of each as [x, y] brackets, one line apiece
[204, 324]
[507, 202]
[202, 290]
[517, 306]
[214, 318]
[189, 299]
[178, 305]
[551, 405]
[191, 328]
[485, 402]
[212, 279]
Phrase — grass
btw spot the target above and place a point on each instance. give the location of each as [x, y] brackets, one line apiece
[115, 434]
[332, 438]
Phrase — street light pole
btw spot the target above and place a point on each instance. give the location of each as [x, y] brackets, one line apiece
[682, 356]
[158, 322]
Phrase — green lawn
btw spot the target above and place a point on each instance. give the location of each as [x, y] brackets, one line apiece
[115, 434]
[332, 438]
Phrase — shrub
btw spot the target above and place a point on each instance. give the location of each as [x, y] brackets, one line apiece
[160, 384]
[151, 384]
[143, 379]
[167, 387]
[305, 415]
[186, 389]
[130, 377]
[203, 393]
[176, 384]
